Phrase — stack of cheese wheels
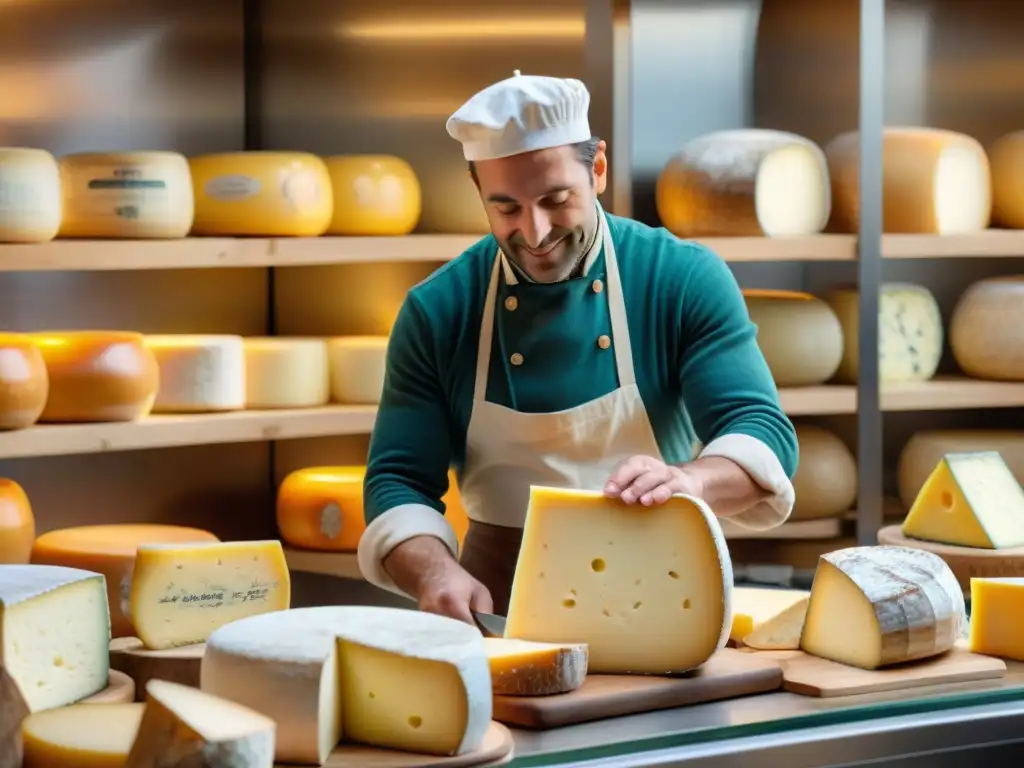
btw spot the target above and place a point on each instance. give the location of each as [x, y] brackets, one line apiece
[282, 372]
[825, 482]
[321, 508]
[261, 194]
[934, 182]
[357, 368]
[749, 182]
[24, 383]
[97, 375]
[986, 331]
[798, 334]
[1006, 156]
[110, 550]
[17, 524]
[30, 195]
[199, 374]
[373, 195]
[126, 194]
[910, 333]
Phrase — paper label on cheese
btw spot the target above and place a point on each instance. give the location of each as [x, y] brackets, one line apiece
[233, 187]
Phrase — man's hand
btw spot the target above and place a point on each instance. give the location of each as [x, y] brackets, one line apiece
[651, 482]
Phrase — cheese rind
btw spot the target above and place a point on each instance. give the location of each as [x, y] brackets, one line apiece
[875, 606]
[81, 736]
[198, 374]
[996, 609]
[1006, 158]
[373, 195]
[24, 383]
[986, 330]
[286, 372]
[825, 482]
[30, 195]
[648, 589]
[754, 607]
[526, 668]
[17, 524]
[357, 368]
[180, 593]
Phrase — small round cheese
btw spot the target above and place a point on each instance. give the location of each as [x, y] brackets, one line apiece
[286, 372]
[17, 524]
[199, 374]
[357, 368]
[30, 196]
[261, 194]
[97, 375]
[1006, 157]
[24, 383]
[373, 195]
[126, 195]
[798, 334]
[826, 477]
[81, 736]
[986, 331]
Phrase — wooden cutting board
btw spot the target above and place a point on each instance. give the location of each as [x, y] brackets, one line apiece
[727, 674]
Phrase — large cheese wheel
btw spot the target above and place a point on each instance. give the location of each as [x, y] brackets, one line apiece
[986, 331]
[110, 550]
[126, 194]
[17, 524]
[286, 372]
[934, 182]
[798, 334]
[268, 194]
[745, 182]
[24, 383]
[373, 195]
[30, 196]
[199, 373]
[1006, 157]
[910, 332]
[97, 375]
[825, 482]
[357, 368]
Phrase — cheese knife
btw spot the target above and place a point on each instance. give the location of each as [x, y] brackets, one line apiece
[489, 624]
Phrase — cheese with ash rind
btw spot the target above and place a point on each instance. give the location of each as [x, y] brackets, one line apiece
[526, 668]
[754, 607]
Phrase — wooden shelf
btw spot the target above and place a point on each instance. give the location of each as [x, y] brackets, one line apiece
[950, 393]
[340, 564]
[825, 400]
[811, 248]
[992, 243]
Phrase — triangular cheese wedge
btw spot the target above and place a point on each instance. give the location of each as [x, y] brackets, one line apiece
[782, 631]
[753, 607]
[969, 500]
[13, 710]
[528, 668]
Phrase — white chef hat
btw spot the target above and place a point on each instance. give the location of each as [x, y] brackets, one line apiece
[523, 113]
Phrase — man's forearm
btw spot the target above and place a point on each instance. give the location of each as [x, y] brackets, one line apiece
[416, 561]
[726, 487]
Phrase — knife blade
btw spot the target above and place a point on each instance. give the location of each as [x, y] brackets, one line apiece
[490, 624]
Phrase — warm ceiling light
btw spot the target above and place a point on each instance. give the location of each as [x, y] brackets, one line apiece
[441, 31]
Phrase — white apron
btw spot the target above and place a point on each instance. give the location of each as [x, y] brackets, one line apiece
[508, 451]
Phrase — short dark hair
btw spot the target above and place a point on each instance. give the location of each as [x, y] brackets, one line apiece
[586, 153]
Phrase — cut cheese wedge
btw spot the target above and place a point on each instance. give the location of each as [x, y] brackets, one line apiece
[986, 330]
[183, 726]
[782, 631]
[997, 606]
[81, 736]
[970, 500]
[525, 668]
[875, 606]
[756, 607]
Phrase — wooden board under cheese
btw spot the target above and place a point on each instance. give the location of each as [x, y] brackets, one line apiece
[176, 665]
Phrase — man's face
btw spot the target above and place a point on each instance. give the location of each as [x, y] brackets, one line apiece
[542, 207]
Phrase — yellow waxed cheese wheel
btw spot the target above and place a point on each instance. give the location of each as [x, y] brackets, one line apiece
[373, 195]
[934, 182]
[283, 372]
[261, 194]
[798, 334]
[17, 524]
[97, 375]
[30, 196]
[357, 368]
[986, 330]
[826, 476]
[126, 195]
[1006, 156]
[910, 333]
[24, 383]
[81, 736]
[199, 374]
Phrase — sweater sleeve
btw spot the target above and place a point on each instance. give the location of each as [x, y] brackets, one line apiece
[729, 391]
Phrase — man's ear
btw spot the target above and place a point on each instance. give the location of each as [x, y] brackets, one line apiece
[601, 167]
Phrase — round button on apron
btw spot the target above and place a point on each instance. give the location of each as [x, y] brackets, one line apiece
[516, 359]
[597, 285]
[511, 303]
[604, 342]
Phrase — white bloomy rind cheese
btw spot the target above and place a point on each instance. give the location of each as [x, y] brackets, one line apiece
[286, 373]
[1006, 157]
[357, 368]
[748, 182]
[199, 374]
[81, 736]
[986, 330]
[526, 668]
[428, 675]
[183, 726]
[648, 589]
[875, 606]
[180, 593]
[934, 182]
[54, 633]
[30, 195]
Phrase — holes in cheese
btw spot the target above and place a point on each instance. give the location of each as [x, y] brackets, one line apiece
[126, 194]
[54, 633]
[825, 482]
[798, 334]
[969, 500]
[30, 195]
[660, 604]
[986, 330]
[1006, 159]
[996, 609]
[198, 374]
[109, 550]
[286, 372]
[875, 606]
[397, 678]
[81, 736]
[373, 195]
[526, 668]
[262, 194]
[756, 607]
[180, 593]
[357, 368]
[97, 376]
[24, 384]
[910, 333]
[933, 182]
[184, 724]
[745, 182]
[17, 524]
